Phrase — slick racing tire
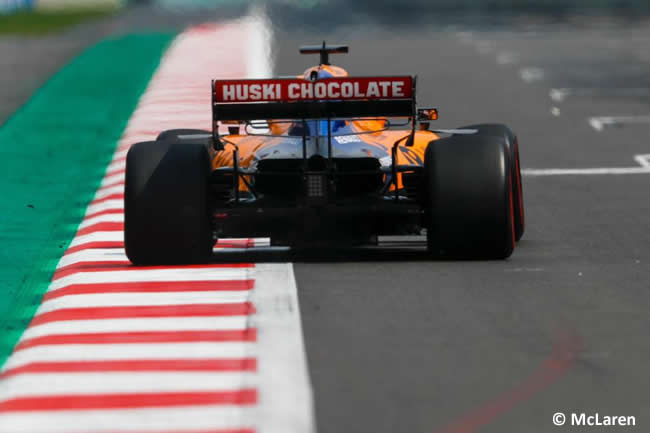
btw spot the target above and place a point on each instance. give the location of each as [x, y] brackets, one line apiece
[512, 145]
[468, 206]
[166, 204]
[173, 134]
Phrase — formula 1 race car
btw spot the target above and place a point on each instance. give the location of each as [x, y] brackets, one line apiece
[323, 159]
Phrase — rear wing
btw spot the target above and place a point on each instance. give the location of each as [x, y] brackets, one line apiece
[327, 98]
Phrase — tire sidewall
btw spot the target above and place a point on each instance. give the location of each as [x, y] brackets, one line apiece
[512, 145]
[468, 206]
[166, 206]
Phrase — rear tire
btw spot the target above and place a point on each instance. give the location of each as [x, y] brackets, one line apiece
[468, 206]
[166, 206]
[512, 144]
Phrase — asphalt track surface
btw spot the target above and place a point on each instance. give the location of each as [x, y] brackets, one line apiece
[400, 344]
[397, 343]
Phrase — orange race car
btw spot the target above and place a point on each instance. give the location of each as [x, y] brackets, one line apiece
[323, 159]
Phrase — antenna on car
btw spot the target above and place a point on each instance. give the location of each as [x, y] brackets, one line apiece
[324, 51]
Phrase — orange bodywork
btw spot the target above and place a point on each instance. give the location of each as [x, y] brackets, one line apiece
[250, 146]
[376, 140]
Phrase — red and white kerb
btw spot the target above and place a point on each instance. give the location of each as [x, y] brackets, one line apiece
[162, 349]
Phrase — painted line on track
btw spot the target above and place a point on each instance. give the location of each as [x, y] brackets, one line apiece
[163, 349]
[531, 74]
[208, 418]
[642, 160]
[599, 123]
[121, 352]
[564, 354]
[142, 365]
[24, 386]
[561, 94]
[136, 324]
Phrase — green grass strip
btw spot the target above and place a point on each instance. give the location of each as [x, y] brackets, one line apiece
[35, 23]
[53, 155]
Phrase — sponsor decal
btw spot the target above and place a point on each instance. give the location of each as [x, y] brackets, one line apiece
[386, 161]
[344, 139]
[328, 89]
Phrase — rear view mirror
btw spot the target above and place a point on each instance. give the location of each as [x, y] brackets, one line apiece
[427, 114]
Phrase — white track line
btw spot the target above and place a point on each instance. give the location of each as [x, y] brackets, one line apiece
[106, 218]
[506, 58]
[136, 325]
[285, 406]
[116, 166]
[112, 205]
[97, 237]
[561, 94]
[112, 352]
[259, 47]
[179, 274]
[599, 123]
[120, 154]
[531, 74]
[643, 160]
[106, 255]
[138, 299]
[113, 179]
[119, 382]
[532, 172]
[258, 61]
[109, 190]
[186, 419]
